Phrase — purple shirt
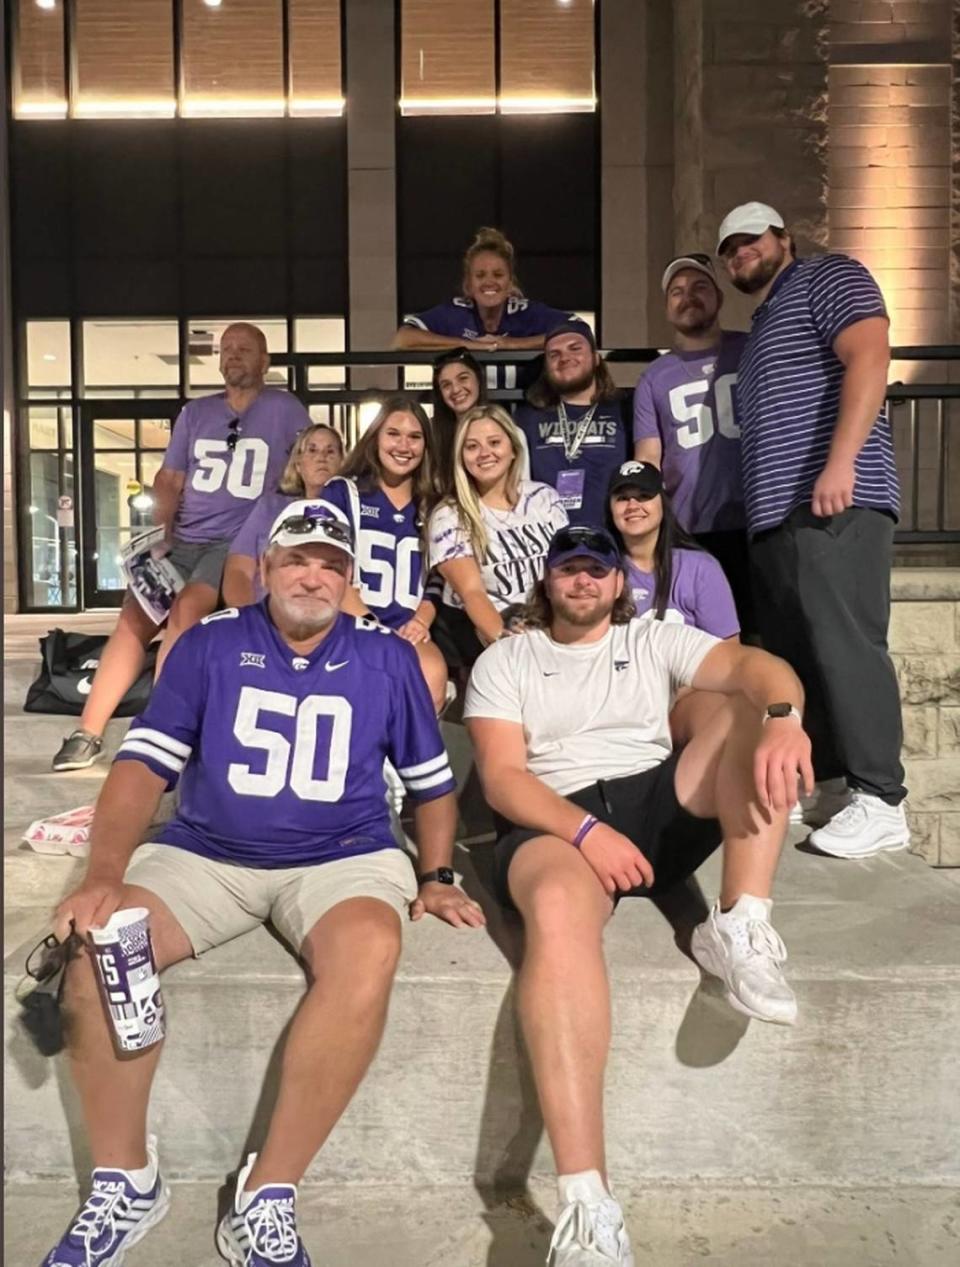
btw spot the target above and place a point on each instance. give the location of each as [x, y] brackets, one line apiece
[282, 755]
[459, 319]
[582, 479]
[687, 401]
[788, 393]
[221, 486]
[700, 594]
[389, 567]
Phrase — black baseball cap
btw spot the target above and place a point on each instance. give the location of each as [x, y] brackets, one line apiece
[578, 541]
[572, 326]
[643, 476]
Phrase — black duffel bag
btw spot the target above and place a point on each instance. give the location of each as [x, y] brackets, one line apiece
[68, 663]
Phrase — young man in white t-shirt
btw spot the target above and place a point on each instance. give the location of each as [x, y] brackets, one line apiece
[571, 726]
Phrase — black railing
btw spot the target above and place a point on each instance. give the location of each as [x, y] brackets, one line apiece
[924, 417]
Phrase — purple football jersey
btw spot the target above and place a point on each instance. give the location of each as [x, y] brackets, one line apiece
[582, 479]
[221, 484]
[282, 755]
[389, 567]
[700, 594]
[687, 401]
[459, 319]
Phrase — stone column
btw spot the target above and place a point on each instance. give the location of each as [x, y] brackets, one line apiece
[371, 92]
[955, 180]
[636, 127]
[6, 351]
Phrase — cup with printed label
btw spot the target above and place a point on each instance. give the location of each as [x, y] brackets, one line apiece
[123, 953]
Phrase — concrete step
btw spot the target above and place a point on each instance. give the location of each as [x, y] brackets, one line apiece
[33, 791]
[861, 1092]
[37, 736]
[452, 1227]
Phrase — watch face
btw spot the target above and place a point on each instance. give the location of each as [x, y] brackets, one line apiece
[779, 710]
[445, 875]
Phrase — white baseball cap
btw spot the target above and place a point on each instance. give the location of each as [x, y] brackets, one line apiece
[699, 261]
[306, 522]
[749, 217]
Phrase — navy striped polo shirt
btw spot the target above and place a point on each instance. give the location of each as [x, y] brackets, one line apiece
[788, 391]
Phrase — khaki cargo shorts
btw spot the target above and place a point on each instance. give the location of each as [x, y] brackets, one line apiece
[216, 901]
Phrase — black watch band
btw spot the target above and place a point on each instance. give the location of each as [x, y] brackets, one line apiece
[442, 875]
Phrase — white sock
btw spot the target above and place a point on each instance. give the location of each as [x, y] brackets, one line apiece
[144, 1178]
[585, 1185]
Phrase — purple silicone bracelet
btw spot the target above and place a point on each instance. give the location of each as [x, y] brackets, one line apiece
[587, 825]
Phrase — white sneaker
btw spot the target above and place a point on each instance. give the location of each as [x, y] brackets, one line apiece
[829, 798]
[589, 1232]
[866, 826]
[744, 950]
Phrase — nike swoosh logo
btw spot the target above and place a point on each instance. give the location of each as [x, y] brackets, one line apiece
[331, 667]
[84, 686]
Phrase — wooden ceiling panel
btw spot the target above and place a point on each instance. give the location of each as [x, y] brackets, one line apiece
[41, 79]
[315, 71]
[546, 52]
[124, 56]
[447, 56]
[233, 57]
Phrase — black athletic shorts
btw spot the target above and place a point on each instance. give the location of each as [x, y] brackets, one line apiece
[644, 807]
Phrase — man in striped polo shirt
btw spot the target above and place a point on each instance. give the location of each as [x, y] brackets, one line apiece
[822, 499]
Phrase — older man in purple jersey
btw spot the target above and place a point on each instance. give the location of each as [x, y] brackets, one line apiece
[224, 452]
[684, 421]
[279, 717]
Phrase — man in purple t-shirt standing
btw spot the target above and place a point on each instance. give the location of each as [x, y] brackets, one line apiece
[685, 422]
[224, 452]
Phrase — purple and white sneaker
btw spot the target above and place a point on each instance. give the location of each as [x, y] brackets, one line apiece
[261, 1229]
[114, 1216]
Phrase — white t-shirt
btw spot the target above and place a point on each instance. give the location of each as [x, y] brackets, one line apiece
[596, 710]
[518, 543]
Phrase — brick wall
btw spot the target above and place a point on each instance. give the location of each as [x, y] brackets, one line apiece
[925, 645]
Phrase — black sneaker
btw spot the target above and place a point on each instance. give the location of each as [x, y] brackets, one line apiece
[78, 751]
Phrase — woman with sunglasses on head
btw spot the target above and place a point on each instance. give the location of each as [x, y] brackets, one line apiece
[385, 489]
[315, 458]
[459, 385]
[489, 538]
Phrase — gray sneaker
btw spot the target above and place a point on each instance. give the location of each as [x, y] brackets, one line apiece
[78, 751]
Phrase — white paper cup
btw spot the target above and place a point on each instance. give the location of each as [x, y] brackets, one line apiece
[128, 976]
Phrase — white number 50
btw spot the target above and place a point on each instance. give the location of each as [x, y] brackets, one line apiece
[694, 415]
[279, 767]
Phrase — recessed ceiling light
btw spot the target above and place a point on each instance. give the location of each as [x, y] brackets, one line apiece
[46, 4]
[49, 356]
[213, 4]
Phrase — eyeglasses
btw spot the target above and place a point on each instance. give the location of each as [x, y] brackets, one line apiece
[579, 535]
[306, 525]
[40, 991]
[233, 433]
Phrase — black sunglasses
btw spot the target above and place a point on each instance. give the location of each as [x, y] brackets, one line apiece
[40, 991]
[579, 535]
[233, 433]
[306, 525]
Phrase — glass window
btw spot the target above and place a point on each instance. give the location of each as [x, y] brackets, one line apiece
[140, 357]
[48, 356]
[546, 56]
[233, 58]
[50, 551]
[115, 477]
[124, 58]
[115, 433]
[155, 434]
[204, 359]
[40, 74]
[316, 81]
[447, 59]
[321, 334]
[44, 428]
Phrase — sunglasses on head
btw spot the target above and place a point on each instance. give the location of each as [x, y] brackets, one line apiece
[578, 535]
[306, 525]
[233, 433]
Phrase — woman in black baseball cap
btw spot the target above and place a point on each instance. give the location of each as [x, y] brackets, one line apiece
[670, 577]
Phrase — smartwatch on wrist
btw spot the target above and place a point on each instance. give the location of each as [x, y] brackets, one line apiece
[774, 711]
[442, 875]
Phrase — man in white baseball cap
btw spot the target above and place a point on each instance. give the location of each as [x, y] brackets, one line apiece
[750, 218]
[684, 421]
[822, 499]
